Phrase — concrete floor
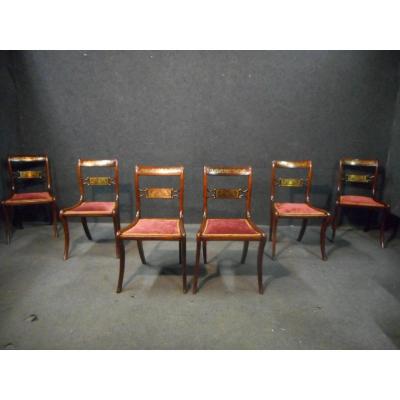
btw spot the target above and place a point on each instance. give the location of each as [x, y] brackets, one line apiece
[349, 302]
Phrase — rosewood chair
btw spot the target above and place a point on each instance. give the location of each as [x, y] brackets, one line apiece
[242, 229]
[155, 228]
[349, 174]
[23, 171]
[303, 210]
[85, 208]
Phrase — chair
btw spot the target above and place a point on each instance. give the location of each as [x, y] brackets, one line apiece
[241, 229]
[303, 210]
[155, 228]
[349, 174]
[27, 171]
[85, 208]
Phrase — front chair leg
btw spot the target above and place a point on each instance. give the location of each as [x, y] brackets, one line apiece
[66, 236]
[205, 251]
[303, 229]
[385, 213]
[182, 246]
[197, 266]
[244, 252]
[7, 223]
[260, 265]
[86, 228]
[141, 252]
[322, 240]
[121, 251]
[54, 219]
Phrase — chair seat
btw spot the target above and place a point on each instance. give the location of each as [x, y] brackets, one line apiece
[229, 227]
[298, 209]
[92, 207]
[32, 197]
[363, 201]
[154, 227]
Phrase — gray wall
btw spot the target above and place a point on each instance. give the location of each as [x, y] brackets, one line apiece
[197, 108]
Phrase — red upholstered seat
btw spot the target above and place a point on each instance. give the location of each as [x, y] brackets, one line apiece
[360, 201]
[297, 209]
[92, 207]
[30, 197]
[154, 227]
[228, 226]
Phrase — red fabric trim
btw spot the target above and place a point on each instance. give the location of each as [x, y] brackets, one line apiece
[360, 201]
[228, 226]
[154, 227]
[296, 209]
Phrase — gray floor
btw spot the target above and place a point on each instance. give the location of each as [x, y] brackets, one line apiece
[349, 302]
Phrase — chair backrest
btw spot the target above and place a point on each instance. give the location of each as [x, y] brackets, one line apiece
[292, 182]
[162, 193]
[26, 169]
[89, 180]
[367, 178]
[227, 193]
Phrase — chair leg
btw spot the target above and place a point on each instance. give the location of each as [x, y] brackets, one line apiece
[141, 252]
[271, 219]
[54, 219]
[180, 252]
[335, 218]
[66, 236]
[7, 225]
[121, 251]
[274, 228]
[385, 213]
[197, 266]
[322, 240]
[303, 229]
[205, 251]
[116, 229]
[86, 228]
[244, 252]
[182, 246]
[260, 265]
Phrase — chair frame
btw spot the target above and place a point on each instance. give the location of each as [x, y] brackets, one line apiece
[274, 215]
[143, 170]
[115, 214]
[201, 239]
[48, 185]
[373, 180]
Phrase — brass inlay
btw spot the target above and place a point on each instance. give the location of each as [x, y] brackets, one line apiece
[238, 193]
[97, 163]
[358, 178]
[171, 171]
[98, 181]
[290, 182]
[228, 171]
[357, 162]
[158, 193]
[292, 164]
[27, 158]
[29, 174]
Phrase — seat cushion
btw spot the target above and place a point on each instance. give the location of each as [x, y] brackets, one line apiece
[297, 209]
[30, 197]
[154, 227]
[92, 207]
[360, 201]
[228, 226]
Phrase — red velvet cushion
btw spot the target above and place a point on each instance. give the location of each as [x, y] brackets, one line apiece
[97, 207]
[296, 209]
[228, 226]
[33, 196]
[360, 201]
[154, 227]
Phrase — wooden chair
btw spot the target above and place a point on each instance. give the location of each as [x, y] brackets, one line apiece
[85, 208]
[303, 210]
[155, 228]
[23, 171]
[242, 229]
[367, 179]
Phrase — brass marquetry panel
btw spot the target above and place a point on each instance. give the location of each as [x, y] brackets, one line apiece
[158, 193]
[290, 182]
[358, 178]
[98, 181]
[228, 171]
[29, 174]
[237, 193]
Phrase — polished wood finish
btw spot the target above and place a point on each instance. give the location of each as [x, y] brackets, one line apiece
[294, 182]
[155, 193]
[369, 178]
[17, 175]
[83, 181]
[235, 193]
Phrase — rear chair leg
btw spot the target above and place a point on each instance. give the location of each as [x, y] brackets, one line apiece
[7, 223]
[336, 216]
[197, 266]
[183, 257]
[324, 225]
[383, 226]
[274, 228]
[120, 244]
[116, 229]
[66, 235]
[205, 252]
[244, 252]
[260, 265]
[86, 228]
[141, 252]
[54, 219]
[303, 229]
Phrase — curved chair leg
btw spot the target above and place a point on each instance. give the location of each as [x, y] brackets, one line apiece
[244, 252]
[121, 251]
[303, 229]
[260, 265]
[141, 252]
[66, 236]
[197, 266]
[205, 252]
[382, 227]
[274, 228]
[86, 228]
[7, 223]
[335, 218]
[324, 225]
[182, 246]
[54, 219]
[116, 229]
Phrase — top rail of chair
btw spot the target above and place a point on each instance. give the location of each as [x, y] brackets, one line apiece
[98, 163]
[149, 170]
[227, 171]
[359, 162]
[27, 158]
[292, 164]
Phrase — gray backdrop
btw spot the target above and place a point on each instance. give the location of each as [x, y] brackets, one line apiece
[202, 107]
